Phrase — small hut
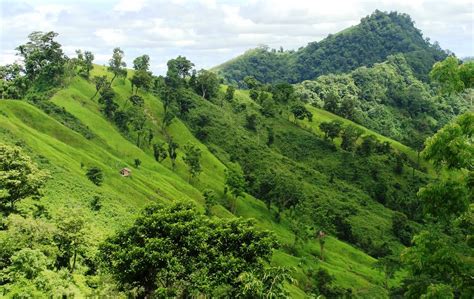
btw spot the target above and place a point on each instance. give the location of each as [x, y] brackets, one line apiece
[125, 172]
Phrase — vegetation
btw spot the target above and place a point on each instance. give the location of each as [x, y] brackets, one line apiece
[373, 40]
[20, 177]
[296, 196]
[176, 251]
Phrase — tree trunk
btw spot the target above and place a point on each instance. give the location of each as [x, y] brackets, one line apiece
[113, 78]
[96, 92]
[74, 261]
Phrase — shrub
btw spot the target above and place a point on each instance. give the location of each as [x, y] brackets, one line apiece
[95, 175]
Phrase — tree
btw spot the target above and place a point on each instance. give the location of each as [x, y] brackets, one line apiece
[331, 129]
[70, 238]
[142, 77]
[209, 200]
[452, 147]
[271, 286]
[320, 282]
[95, 175]
[433, 259]
[117, 65]
[13, 85]
[84, 61]
[466, 72]
[268, 107]
[175, 251]
[254, 95]
[142, 63]
[287, 192]
[137, 162]
[437, 260]
[388, 265]
[368, 145]
[444, 200]
[192, 156]
[159, 152]
[350, 134]
[300, 112]
[251, 122]
[20, 177]
[401, 228]
[283, 93]
[167, 120]
[121, 119]
[271, 136]
[251, 82]
[446, 73]
[184, 66]
[109, 106]
[229, 93]
[331, 101]
[27, 263]
[206, 84]
[43, 59]
[235, 184]
[136, 100]
[172, 147]
[88, 66]
[347, 108]
[99, 82]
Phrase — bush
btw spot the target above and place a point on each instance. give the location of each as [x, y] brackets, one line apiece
[95, 203]
[95, 175]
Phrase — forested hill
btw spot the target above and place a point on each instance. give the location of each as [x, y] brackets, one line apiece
[377, 36]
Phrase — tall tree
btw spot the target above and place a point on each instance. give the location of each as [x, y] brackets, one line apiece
[235, 184]
[172, 153]
[142, 78]
[192, 157]
[43, 59]
[350, 134]
[331, 129]
[117, 65]
[229, 93]
[206, 84]
[70, 238]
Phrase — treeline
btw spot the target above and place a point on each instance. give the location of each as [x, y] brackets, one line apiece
[376, 37]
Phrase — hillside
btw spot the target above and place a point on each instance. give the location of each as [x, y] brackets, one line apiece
[376, 37]
[118, 183]
[66, 154]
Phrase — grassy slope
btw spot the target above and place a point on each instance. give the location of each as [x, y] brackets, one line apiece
[62, 151]
[320, 115]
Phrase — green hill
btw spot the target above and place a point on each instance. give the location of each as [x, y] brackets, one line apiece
[376, 37]
[297, 150]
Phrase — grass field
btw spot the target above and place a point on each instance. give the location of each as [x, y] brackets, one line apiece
[67, 154]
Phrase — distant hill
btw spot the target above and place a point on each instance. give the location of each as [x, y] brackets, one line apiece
[377, 36]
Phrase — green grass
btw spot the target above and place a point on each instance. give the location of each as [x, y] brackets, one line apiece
[62, 152]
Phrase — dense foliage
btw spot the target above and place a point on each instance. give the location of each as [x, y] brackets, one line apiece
[175, 251]
[387, 98]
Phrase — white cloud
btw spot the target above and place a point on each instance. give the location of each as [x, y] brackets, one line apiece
[212, 31]
[129, 5]
[111, 36]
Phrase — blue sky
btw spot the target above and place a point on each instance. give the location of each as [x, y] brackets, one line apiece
[210, 32]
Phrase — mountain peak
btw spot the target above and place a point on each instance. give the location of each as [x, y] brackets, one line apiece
[377, 36]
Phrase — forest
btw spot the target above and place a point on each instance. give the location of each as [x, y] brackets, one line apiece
[336, 171]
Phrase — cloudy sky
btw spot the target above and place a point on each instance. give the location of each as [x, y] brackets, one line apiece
[210, 32]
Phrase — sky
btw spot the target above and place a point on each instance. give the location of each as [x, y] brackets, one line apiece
[210, 32]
